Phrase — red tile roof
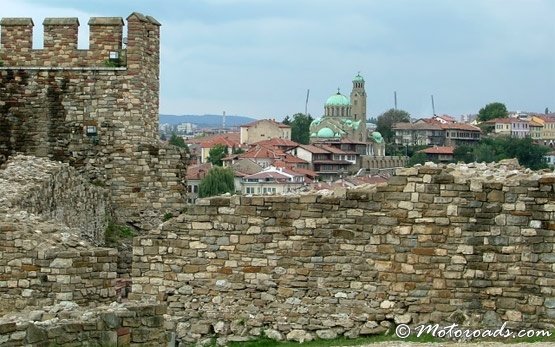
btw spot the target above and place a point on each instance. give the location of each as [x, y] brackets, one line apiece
[460, 126]
[275, 175]
[314, 149]
[263, 152]
[228, 139]
[439, 150]
[425, 125]
[197, 172]
[331, 149]
[306, 172]
[506, 121]
[276, 142]
[289, 158]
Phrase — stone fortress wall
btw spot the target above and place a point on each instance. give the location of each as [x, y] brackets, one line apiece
[471, 244]
[55, 282]
[66, 104]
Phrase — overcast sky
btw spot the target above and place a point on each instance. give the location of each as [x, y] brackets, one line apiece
[259, 57]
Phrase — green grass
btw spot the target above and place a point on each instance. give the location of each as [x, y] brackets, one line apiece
[114, 233]
[340, 341]
[167, 216]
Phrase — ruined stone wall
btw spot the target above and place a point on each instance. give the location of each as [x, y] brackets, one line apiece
[50, 221]
[471, 244]
[65, 104]
[66, 324]
[54, 191]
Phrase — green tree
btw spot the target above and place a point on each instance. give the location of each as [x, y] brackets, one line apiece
[386, 121]
[492, 111]
[464, 153]
[527, 152]
[300, 127]
[238, 150]
[488, 150]
[216, 154]
[177, 141]
[286, 120]
[417, 158]
[217, 181]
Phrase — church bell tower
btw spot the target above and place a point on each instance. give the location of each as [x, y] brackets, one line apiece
[358, 106]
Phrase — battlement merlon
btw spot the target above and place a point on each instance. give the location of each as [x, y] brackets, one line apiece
[61, 33]
[16, 34]
[60, 41]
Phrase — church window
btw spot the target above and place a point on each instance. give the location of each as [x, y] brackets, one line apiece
[355, 102]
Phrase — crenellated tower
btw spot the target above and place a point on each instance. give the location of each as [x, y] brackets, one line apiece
[95, 108]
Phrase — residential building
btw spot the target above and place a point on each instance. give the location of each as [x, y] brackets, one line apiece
[439, 153]
[264, 129]
[195, 174]
[273, 181]
[202, 146]
[242, 168]
[457, 134]
[550, 158]
[547, 132]
[186, 128]
[420, 133]
[435, 132]
[329, 163]
[514, 127]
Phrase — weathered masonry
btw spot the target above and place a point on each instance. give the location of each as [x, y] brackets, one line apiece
[471, 244]
[96, 109]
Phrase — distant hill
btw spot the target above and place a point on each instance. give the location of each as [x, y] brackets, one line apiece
[207, 120]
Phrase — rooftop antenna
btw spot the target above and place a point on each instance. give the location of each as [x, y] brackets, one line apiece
[306, 102]
[433, 106]
[395, 98]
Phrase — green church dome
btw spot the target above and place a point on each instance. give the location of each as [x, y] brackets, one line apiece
[377, 137]
[338, 100]
[325, 132]
[358, 78]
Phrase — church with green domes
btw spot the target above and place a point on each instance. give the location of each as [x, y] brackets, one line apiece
[345, 119]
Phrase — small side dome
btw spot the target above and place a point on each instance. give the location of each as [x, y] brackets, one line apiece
[315, 122]
[377, 137]
[325, 132]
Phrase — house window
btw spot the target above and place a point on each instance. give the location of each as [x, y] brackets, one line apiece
[249, 190]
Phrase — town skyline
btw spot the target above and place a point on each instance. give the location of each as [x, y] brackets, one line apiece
[258, 58]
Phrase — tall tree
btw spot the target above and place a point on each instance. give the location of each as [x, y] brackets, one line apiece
[177, 141]
[300, 127]
[525, 150]
[417, 158]
[286, 120]
[492, 111]
[386, 121]
[217, 181]
[216, 154]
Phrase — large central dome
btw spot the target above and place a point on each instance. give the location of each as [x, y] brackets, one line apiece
[338, 100]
